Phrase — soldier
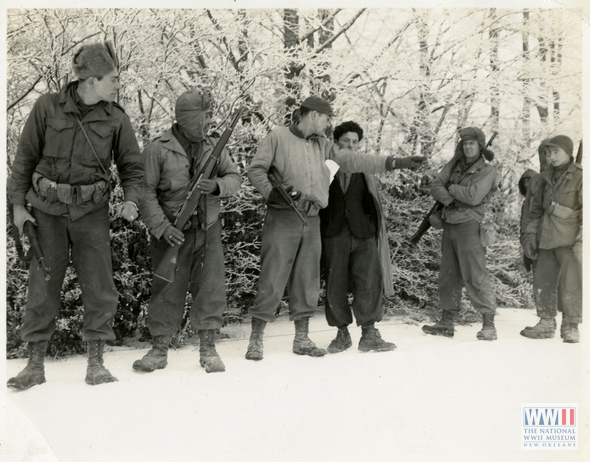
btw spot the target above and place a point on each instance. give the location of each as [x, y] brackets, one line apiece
[61, 169]
[171, 163]
[290, 251]
[464, 186]
[553, 237]
[355, 252]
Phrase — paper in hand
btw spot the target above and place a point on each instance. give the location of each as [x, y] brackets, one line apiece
[333, 166]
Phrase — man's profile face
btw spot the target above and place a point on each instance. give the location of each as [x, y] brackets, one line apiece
[107, 87]
[321, 122]
[350, 141]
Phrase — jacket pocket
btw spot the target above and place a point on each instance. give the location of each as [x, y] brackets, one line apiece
[59, 138]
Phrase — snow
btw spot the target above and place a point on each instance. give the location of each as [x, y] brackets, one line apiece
[432, 399]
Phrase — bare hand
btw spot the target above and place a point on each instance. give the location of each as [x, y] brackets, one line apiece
[128, 210]
[207, 186]
[22, 215]
[173, 236]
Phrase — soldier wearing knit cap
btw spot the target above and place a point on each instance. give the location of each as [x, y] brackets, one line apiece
[290, 251]
[62, 171]
[553, 237]
[464, 187]
[172, 163]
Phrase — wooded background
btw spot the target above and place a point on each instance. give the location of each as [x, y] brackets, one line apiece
[410, 77]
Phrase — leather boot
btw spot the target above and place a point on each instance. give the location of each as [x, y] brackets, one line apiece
[443, 327]
[255, 345]
[34, 372]
[157, 357]
[371, 340]
[571, 334]
[210, 360]
[341, 342]
[545, 328]
[488, 331]
[96, 373]
[302, 345]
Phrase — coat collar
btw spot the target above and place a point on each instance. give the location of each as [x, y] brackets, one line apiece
[100, 111]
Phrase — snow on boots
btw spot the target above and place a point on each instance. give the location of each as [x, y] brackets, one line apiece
[34, 372]
[571, 334]
[341, 342]
[545, 328]
[371, 340]
[488, 331]
[302, 345]
[96, 373]
[444, 327]
[255, 345]
[157, 357]
[210, 360]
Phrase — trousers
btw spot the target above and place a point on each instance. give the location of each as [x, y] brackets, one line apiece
[89, 241]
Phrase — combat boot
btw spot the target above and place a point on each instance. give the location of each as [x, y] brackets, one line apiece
[157, 357]
[371, 340]
[255, 345]
[545, 328]
[210, 360]
[302, 345]
[341, 342]
[571, 334]
[96, 373]
[562, 328]
[444, 327]
[34, 372]
[488, 331]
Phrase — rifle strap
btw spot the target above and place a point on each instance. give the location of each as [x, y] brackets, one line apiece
[91, 147]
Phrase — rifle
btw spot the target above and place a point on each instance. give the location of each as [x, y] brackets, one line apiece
[274, 180]
[35, 248]
[425, 223]
[167, 266]
[579, 155]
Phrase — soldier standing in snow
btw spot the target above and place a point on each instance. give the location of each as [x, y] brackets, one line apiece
[171, 162]
[290, 251]
[553, 237]
[464, 186]
[62, 169]
[355, 252]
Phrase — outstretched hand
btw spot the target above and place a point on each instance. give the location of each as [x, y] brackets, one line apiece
[412, 162]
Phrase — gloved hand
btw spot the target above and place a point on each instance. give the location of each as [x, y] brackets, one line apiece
[173, 236]
[530, 245]
[412, 162]
[207, 186]
[276, 197]
[48, 189]
[128, 210]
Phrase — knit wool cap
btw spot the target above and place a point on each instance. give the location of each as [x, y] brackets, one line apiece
[563, 142]
[190, 111]
[93, 60]
[315, 103]
[475, 134]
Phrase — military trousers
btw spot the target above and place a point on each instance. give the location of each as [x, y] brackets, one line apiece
[351, 263]
[290, 255]
[200, 269]
[557, 282]
[463, 263]
[89, 241]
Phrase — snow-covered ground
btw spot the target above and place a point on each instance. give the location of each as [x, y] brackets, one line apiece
[433, 399]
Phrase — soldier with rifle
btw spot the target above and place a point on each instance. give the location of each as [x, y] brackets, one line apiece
[291, 247]
[463, 187]
[62, 170]
[553, 237]
[185, 166]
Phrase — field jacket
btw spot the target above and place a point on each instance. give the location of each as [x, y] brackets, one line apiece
[301, 163]
[53, 145]
[464, 194]
[167, 182]
[555, 212]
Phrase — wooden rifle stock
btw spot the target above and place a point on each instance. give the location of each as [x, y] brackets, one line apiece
[167, 267]
[425, 223]
[274, 180]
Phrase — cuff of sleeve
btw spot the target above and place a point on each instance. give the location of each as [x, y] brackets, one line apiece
[390, 163]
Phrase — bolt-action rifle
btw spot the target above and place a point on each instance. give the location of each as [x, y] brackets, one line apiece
[34, 249]
[167, 267]
[274, 180]
[425, 223]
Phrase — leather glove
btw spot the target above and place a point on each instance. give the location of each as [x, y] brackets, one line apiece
[173, 236]
[207, 186]
[276, 197]
[530, 246]
[413, 162]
